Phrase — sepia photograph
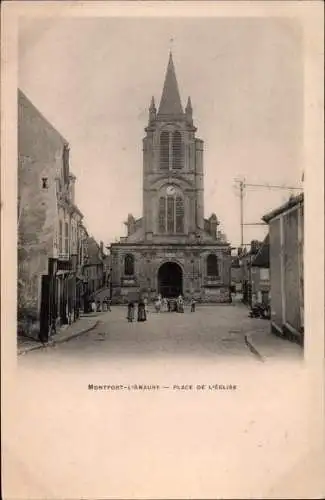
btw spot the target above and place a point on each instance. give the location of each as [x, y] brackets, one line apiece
[162, 177]
[160, 297]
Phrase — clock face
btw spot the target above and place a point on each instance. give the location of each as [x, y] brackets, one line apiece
[170, 190]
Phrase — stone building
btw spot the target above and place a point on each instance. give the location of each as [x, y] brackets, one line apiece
[260, 273]
[93, 269]
[172, 249]
[286, 230]
[49, 266]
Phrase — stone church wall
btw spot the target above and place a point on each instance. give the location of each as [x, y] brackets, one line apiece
[147, 262]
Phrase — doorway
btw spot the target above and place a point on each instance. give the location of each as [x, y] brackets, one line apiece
[170, 280]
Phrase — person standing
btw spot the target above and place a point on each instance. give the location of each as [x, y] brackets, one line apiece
[193, 305]
[180, 304]
[130, 315]
[145, 301]
[142, 311]
[158, 305]
[164, 304]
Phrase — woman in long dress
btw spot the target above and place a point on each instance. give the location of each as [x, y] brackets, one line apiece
[130, 316]
[158, 305]
[142, 316]
[180, 304]
[164, 304]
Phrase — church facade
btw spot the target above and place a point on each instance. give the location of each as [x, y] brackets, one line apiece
[172, 249]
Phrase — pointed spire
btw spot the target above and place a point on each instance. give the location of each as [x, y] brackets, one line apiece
[189, 112]
[189, 108]
[170, 103]
[152, 104]
[152, 111]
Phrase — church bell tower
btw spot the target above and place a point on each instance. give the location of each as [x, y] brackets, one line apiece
[173, 190]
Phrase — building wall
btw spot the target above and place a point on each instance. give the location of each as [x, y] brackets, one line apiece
[147, 262]
[260, 283]
[40, 149]
[291, 269]
[286, 266]
[275, 273]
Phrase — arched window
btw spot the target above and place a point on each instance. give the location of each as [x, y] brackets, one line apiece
[129, 265]
[164, 150]
[179, 215]
[171, 214]
[162, 215]
[212, 265]
[177, 150]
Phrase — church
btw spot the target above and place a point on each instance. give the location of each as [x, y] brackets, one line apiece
[172, 249]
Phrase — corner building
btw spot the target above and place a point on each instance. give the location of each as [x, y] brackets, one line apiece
[172, 249]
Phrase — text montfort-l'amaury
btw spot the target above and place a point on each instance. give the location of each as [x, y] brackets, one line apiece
[155, 387]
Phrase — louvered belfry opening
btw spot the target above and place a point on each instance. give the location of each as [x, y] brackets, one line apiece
[164, 150]
[171, 150]
[177, 150]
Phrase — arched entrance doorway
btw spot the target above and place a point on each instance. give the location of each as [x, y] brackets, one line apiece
[170, 280]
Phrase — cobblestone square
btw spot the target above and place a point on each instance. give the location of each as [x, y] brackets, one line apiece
[212, 332]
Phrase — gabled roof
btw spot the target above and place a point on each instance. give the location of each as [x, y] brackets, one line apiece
[262, 258]
[170, 103]
[24, 101]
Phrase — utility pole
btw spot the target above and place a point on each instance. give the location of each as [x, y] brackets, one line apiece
[241, 190]
[242, 186]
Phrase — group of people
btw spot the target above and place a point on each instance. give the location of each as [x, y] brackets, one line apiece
[141, 313]
[98, 306]
[164, 304]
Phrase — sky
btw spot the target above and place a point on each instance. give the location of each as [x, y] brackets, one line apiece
[93, 79]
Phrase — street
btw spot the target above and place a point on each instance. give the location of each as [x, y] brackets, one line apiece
[212, 332]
